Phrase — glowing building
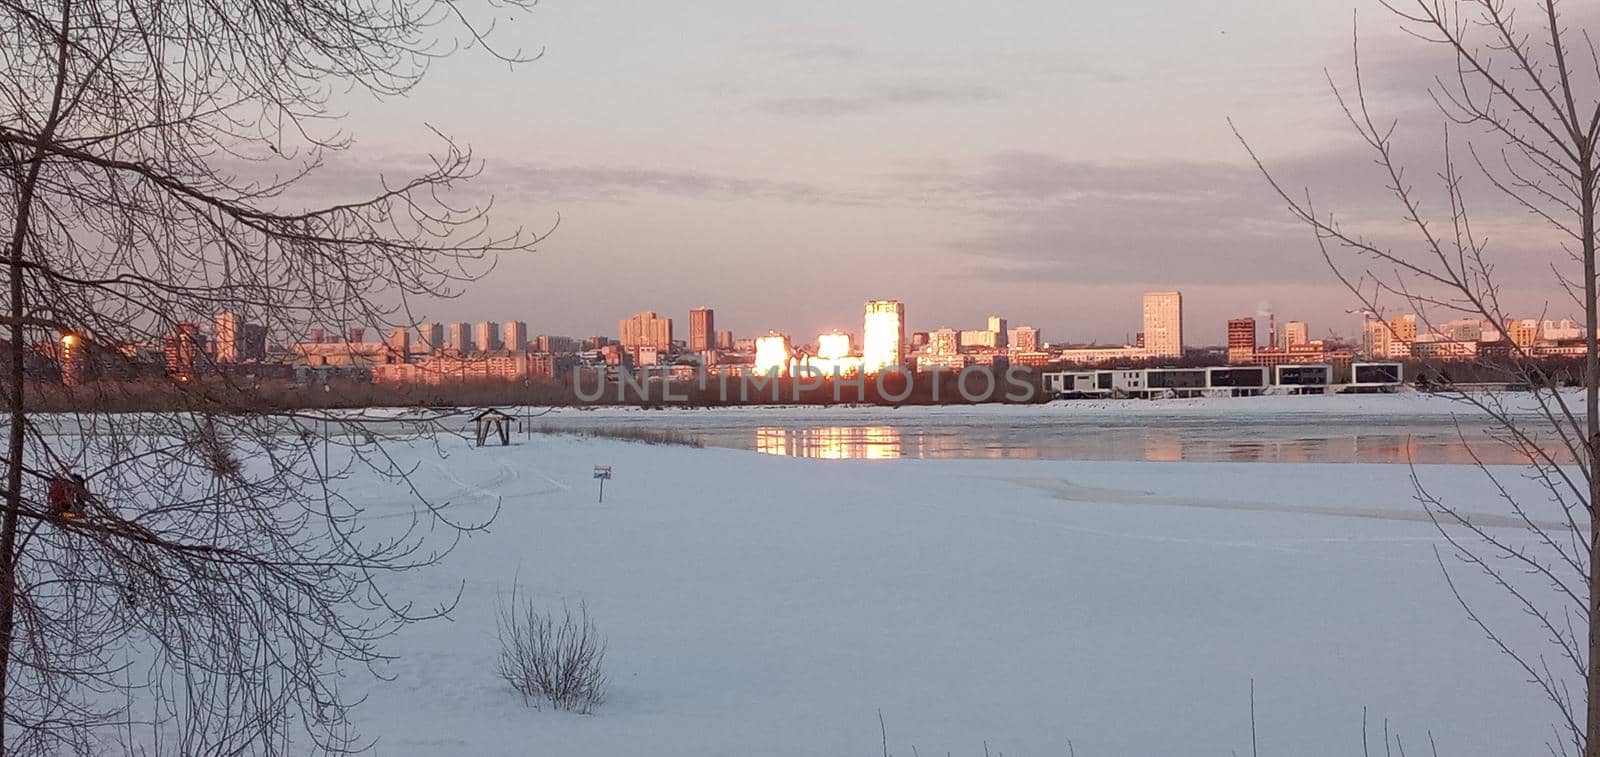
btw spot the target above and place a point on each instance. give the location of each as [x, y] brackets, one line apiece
[1163, 324]
[833, 356]
[883, 335]
[1296, 333]
[833, 345]
[773, 354]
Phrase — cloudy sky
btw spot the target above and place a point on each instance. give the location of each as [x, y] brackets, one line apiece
[1048, 160]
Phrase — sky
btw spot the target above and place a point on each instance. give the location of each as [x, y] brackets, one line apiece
[1045, 160]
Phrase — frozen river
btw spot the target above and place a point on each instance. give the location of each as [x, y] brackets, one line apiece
[1384, 429]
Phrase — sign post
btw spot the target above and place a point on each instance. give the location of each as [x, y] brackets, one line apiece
[602, 472]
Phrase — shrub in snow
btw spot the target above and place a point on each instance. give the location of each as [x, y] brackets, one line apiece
[552, 658]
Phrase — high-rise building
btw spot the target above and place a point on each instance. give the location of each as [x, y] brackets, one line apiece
[226, 330]
[252, 342]
[773, 352]
[1241, 340]
[944, 341]
[997, 326]
[488, 336]
[399, 343]
[1404, 328]
[833, 345]
[1023, 339]
[702, 330]
[517, 336]
[645, 331]
[724, 340]
[883, 335]
[1376, 338]
[1163, 324]
[1523, 332]
[432, 336]
[183, 349]
[1296, 333]
[461, 338]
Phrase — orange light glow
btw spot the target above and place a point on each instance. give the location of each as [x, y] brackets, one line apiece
[773, 354]
[69, 340]
[883, 336]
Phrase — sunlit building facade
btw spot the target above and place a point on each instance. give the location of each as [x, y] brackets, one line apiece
[461, 337]
[883, 335]
[517, 336]
[773, 354]
[1296, 333]
[1163, 324]
[645, 330]
[702, 330]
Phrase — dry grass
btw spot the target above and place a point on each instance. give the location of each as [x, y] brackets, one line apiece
[628, 434]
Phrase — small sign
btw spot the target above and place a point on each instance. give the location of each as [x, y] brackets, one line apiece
[602, 471]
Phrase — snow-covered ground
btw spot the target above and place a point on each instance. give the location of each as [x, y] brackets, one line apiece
[764, 605]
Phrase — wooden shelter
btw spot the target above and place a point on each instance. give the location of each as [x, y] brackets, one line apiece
[493, 421]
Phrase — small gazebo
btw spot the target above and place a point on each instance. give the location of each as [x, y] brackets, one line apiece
[493, 421]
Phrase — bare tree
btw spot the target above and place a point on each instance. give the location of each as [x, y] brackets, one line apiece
[155, 157]
[1521, 114]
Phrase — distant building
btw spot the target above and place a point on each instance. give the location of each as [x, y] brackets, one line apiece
[564, 345]
[356, 334]
[833, 345]
[461, 338]
[1241, 340]
[1094, 355]
[724, 340]
[919, 339]
[1296, 333]
[883, 335]
[1523, 332]
[488, 336]
[1023, 339]
[1163, 324]
[1558, 331]
[984, 339]
[399, 343]
[432, 337]
[943, 341]
[773, 354]
[645, 331]
[516, 338]
[227, 332]
[702, 330]
[997, 326]
[1375, 338]
[252, 342]
[184, 350]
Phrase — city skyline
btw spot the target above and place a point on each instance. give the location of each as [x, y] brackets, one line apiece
[962, 158]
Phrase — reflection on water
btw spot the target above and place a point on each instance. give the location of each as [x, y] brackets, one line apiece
[832, 442]
[1299, 444]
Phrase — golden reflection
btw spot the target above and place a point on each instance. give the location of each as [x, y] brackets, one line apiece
[831, 442]
[1162, 445]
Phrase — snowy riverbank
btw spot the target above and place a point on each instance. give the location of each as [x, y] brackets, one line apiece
[768, 605]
